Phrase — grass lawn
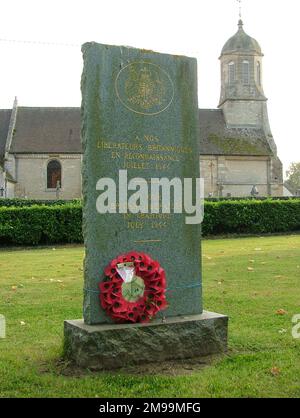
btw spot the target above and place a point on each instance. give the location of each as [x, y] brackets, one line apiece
[249, 279]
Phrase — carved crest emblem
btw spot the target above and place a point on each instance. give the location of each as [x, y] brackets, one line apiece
[144, 88]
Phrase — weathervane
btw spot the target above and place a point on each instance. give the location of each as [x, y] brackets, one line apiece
[240, 8]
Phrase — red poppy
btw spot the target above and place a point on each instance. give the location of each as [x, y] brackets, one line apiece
[106, 287]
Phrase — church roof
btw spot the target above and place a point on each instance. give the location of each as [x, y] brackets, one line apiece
[47, 130]
[57, 130]
[218, 139]
[241, 43]
[4, 124]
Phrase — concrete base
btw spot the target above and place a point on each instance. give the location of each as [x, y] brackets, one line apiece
[113, 346]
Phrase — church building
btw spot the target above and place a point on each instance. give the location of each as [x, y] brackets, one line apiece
[40, 148]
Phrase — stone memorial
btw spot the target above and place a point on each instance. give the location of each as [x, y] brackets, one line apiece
[140, 125]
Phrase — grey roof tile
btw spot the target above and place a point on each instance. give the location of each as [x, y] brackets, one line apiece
[57, 130]
[47, 130]
[218, 139]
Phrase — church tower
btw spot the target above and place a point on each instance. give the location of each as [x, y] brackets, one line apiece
[242, 98]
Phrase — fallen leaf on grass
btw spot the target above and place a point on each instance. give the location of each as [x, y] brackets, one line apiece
[250, 269]
[22, 323]
[14, 288]
[281, 312]
[275, 371]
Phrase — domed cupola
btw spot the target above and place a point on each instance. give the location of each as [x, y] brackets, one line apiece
[241, 43]
[241, 68]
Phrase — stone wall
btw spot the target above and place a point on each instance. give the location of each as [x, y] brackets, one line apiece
[7, 186]
[236, 176]
[209, 171]
[31, 174]
[238, 90]
[1, 177]
[10, 189]
[244, 113]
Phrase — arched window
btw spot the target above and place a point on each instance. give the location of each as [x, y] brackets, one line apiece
[231, 72]
[258, 73]
[246, 72]
[53, 174]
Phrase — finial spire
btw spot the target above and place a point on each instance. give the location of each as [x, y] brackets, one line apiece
[240, 9]
[240, 24]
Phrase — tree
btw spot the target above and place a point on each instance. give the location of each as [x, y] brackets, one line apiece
[293, 178]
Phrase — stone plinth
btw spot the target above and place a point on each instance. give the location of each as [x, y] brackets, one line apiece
[109, 346]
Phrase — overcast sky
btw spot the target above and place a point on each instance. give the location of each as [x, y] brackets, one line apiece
[49, 75]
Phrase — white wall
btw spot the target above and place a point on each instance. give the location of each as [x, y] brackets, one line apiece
[10, 189]
[2, 185]
[31, 174]
[250, 171]
[237, 175]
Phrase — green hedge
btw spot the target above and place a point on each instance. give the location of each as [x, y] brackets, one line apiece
[41, 224]
[220, 199]
[51, 224]
[251, 217]
[30, 202]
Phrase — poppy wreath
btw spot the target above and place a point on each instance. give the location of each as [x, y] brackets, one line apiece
[151, 280]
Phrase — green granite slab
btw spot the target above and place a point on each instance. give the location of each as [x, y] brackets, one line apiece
[139, 113]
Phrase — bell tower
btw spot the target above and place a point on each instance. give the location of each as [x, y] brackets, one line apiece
[242, 97]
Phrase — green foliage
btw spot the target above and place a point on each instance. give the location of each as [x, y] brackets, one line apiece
[251, 216]
[31, 202]
[219, 199]
[61, 223]
[293, 177]
[41, 224]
